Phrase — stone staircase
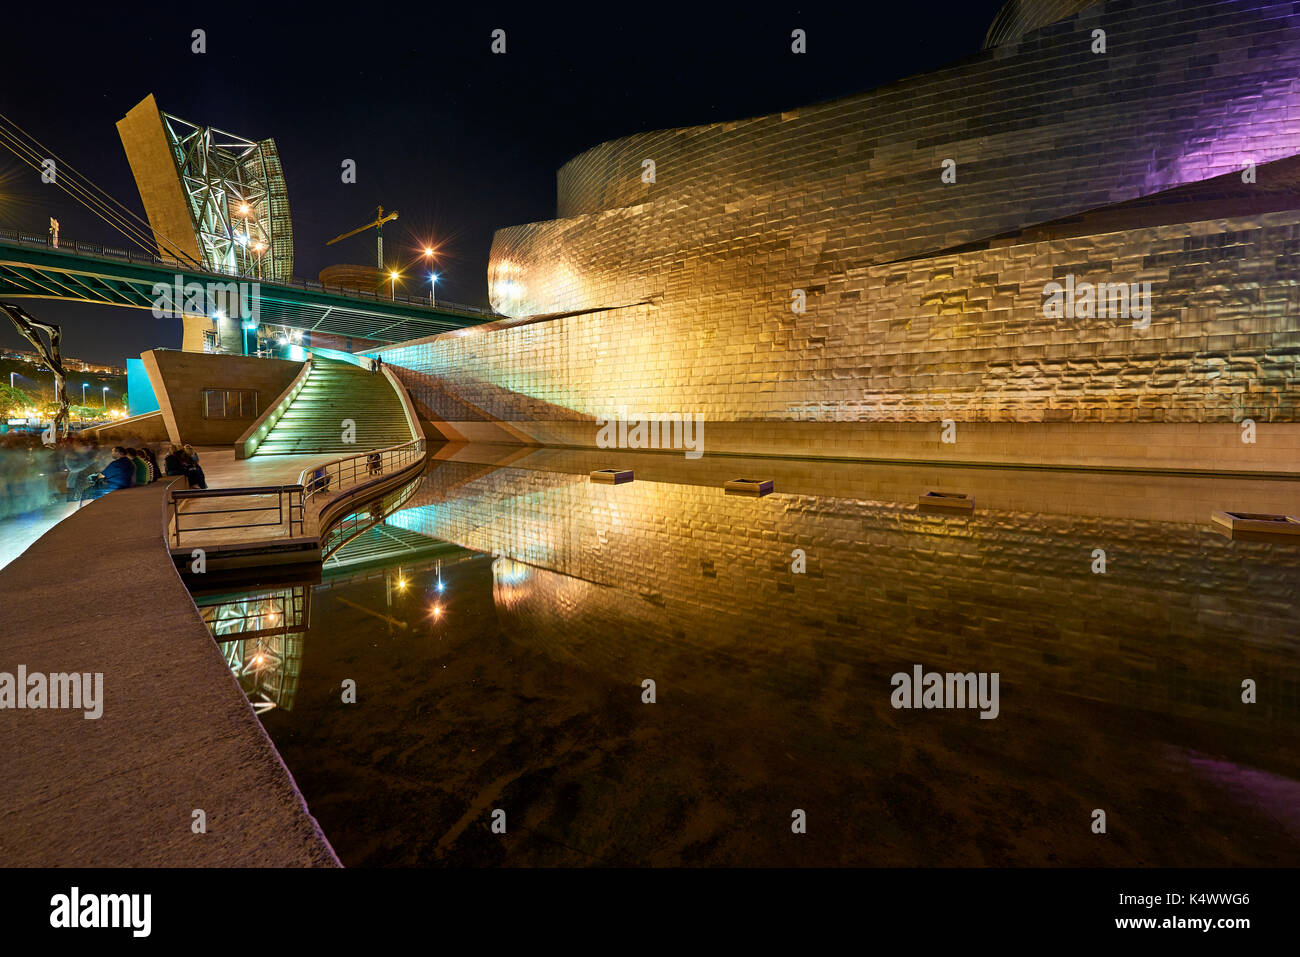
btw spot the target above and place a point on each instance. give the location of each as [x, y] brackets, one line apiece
[336, 391]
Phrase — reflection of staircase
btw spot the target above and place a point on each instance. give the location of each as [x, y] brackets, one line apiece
[384, 543]
[336, 391]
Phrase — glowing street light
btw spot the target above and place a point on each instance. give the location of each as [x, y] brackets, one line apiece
[83, 392]
[433, 276]
[393, 276]
[106, 397]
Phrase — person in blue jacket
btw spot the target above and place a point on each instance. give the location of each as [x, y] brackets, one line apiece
[119, 473]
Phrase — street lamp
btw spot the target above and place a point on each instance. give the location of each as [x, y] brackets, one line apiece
[393, 276]
[433, 293]
[83, 392]
[244, 211]
[11, 379]
[105, 397]
[433, 276]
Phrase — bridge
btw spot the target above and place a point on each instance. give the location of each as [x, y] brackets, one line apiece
[31, 266]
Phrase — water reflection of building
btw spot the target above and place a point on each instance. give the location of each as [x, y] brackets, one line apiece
[261, 631]
[261, 634]
[627, 578]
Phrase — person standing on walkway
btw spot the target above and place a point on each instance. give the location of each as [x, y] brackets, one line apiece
[79, 459]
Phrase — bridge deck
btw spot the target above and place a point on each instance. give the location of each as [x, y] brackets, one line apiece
[30, 267]
[177, 733]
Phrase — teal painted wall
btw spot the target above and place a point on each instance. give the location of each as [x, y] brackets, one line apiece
[140, 397]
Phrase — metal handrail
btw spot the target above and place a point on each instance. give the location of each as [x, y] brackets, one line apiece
[290, 507]
[343, 531]
[111, 252]
[359, 469]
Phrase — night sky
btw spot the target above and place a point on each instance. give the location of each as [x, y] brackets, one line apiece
[460, 141]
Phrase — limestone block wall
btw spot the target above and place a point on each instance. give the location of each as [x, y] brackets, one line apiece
[1040, 127]
[675, 297]
[885, 353]
[179, 379]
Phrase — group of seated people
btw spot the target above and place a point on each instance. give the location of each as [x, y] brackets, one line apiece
[139, 466]
[183, 460]
[130, 466]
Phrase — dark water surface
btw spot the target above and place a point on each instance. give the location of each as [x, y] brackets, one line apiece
[1119, 691]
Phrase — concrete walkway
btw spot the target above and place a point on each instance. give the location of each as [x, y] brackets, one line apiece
[99, 593]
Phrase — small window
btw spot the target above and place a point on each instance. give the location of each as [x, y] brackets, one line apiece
[229, 404]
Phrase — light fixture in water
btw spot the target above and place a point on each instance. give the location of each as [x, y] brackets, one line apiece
[1258, 525]
[755, 488]
[951, 501]
[612, 476]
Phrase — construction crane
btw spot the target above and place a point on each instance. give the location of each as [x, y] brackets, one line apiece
[378, 226]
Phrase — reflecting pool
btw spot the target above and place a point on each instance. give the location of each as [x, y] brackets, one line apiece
[505, 624]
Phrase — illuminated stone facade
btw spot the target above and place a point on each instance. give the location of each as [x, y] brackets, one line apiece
[924, 293]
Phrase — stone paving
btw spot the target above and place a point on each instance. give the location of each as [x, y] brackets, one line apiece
[176, 735]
